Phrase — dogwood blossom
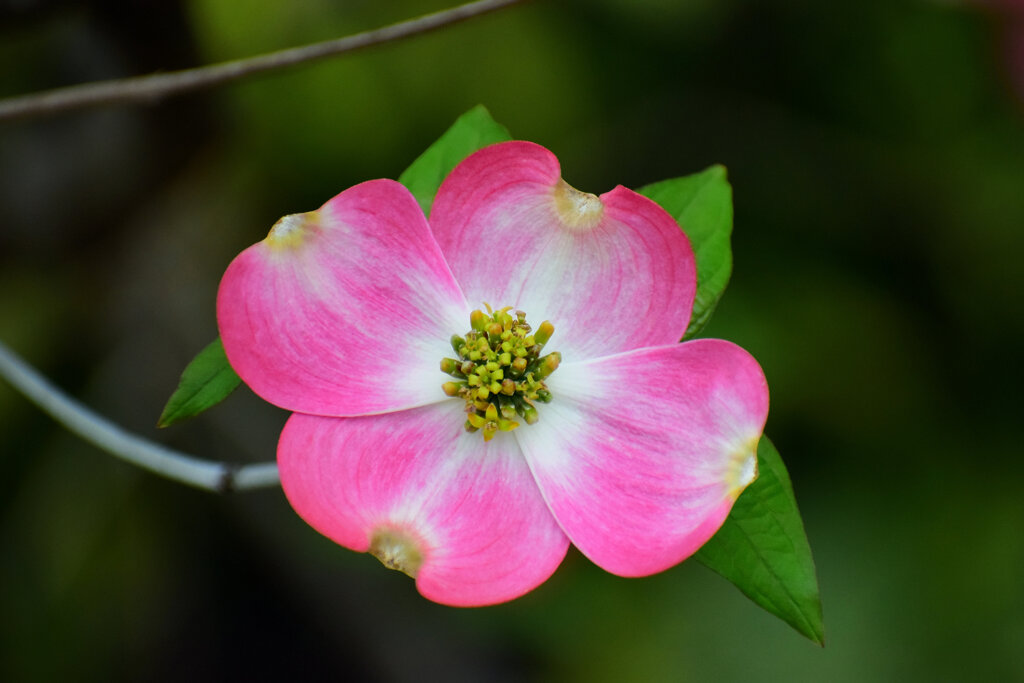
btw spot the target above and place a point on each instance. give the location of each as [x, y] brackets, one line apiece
[472, 394]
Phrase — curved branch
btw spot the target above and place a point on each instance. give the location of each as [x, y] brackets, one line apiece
[149, 89]
[219, 477]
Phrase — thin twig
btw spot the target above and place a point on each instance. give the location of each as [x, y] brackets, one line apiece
[219, 477]
[149, 89]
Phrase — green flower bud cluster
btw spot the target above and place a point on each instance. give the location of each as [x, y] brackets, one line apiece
[499, 371]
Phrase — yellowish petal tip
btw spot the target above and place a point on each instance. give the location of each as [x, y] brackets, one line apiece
[578, 210]
[292, 230]
[396, 550]
[742, 469]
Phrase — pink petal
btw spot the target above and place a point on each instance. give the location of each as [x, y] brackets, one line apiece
[343, 311]
[416, 479]
[611, 274]
[640, 456]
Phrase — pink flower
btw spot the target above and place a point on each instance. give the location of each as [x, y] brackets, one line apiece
[343, 315]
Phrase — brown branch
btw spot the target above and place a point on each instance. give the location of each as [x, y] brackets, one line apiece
[150, 89]
[211, 475]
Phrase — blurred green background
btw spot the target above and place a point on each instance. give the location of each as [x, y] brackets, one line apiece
[876, 150]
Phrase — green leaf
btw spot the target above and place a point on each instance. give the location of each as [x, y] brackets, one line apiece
[207, 381]
[702, 205]
[472, 131]
[763, 550]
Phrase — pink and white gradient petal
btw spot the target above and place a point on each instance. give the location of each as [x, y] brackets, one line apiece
[464, 516]
[346, 310]
[640, 456]
[611, 273]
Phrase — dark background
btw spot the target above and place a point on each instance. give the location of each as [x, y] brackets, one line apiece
[876, 150]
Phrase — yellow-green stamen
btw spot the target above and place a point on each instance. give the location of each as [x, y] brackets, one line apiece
[499, 371]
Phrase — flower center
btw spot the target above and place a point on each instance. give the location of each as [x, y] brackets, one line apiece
[499, 371]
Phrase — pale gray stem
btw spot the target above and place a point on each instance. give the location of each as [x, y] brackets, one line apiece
[149, 89]
[220, 477]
